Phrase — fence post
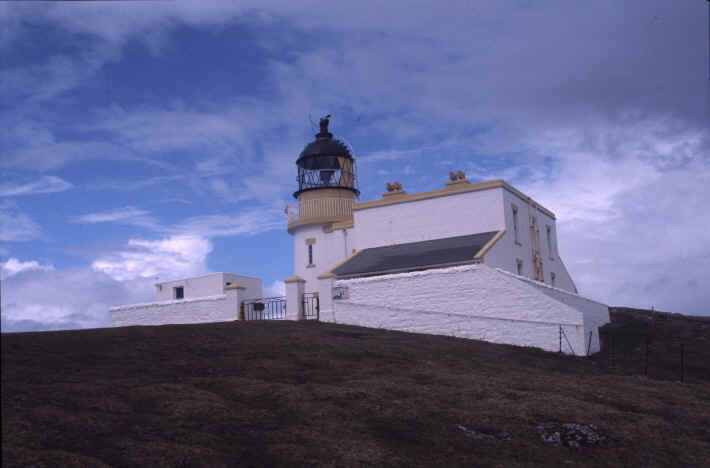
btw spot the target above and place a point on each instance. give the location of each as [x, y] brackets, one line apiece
[317, 297]
[645, 364]
[294, 297]
[234, 294]
[560, 339]
[241, 311]
[682, 362]
[589, 345]
[611, 349]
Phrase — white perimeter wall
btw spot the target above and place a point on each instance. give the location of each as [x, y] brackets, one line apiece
[595, 313]
[218, 308]
[473, 301]
[457, 214]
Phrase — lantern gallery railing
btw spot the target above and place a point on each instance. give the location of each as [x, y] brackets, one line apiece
[338, 175]
[320, 207]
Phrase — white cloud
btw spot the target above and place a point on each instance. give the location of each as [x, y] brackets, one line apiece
[15, 225]
[37, 297]
[222, 189]
[52, 154]
[224, 129]
[59, 74]
[249, 222]
[45, 184]
[129, 185]
[631, 210]
[65, 299]
[121, 214]
[171, 257]
[14, 266]
[277, 288]
[213, 166]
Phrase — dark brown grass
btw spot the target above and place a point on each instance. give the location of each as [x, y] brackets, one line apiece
[313, 394]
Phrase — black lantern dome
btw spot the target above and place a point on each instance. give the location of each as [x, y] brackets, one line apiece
[326, 163]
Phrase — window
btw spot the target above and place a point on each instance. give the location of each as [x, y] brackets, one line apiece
[515, 224]
[549, 241]
[179, 292]
[535, 233]
[552, 279]
[309, 242]
[519, 267]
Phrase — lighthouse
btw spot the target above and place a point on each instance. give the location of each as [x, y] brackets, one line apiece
[327, 189]
[469, 259]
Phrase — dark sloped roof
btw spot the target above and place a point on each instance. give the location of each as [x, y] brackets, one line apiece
[325, 147]
[414, 255]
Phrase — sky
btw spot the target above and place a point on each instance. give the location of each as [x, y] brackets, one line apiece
[153, 140]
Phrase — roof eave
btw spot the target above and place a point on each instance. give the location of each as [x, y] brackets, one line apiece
[407, 269]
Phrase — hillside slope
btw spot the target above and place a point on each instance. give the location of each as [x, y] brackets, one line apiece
[314, 394]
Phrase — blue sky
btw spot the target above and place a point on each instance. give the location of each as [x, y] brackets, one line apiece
[159, 139]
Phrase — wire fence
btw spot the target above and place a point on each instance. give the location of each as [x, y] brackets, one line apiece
[654, 357]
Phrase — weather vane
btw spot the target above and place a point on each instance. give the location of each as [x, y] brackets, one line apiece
[324, 121]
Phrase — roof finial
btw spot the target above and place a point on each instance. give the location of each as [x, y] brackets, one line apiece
[324, 121]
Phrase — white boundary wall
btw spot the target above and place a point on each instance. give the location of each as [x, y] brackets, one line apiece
[473, 301]
[595, 313]
[218, 308]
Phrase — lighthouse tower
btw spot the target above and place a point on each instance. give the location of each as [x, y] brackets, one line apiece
[327, 189]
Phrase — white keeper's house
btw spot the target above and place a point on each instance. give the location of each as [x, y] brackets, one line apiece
[472, 260]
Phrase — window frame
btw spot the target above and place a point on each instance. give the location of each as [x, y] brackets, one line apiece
[181, 296]
[516, 227]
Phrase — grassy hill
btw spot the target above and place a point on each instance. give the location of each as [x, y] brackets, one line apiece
[314, 394]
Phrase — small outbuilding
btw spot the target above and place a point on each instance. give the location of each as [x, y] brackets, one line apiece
[209, 298]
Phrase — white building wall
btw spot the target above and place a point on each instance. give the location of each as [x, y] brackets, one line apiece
[434, 218]
[252, 284]
[207, 285]
[457, 214]
[470, 302]
[506, 251]
[198, 286]
[218, 308]
[329, 249]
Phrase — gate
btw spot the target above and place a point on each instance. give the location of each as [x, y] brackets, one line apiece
[264, 308]
[311, 306]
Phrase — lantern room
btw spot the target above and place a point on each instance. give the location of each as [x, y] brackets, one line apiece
[326, 163]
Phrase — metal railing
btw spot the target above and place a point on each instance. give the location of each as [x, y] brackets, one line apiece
[264, 308]
[311, 306]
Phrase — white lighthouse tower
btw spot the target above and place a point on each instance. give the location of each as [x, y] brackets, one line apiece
[327, 189]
